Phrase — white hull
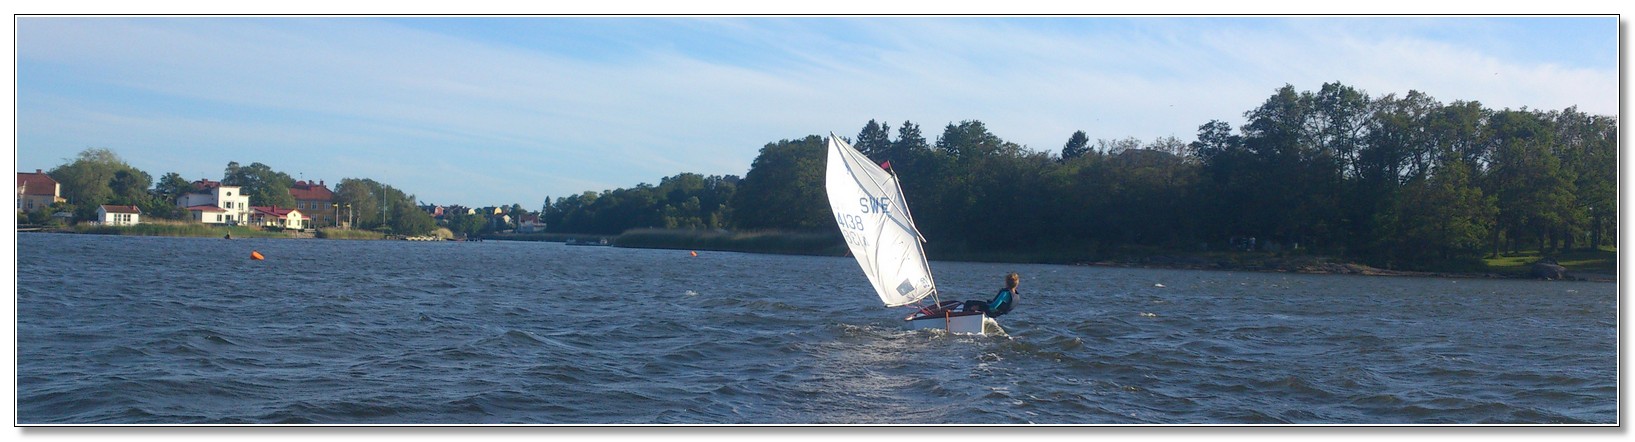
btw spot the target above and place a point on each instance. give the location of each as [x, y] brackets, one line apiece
[976, 324]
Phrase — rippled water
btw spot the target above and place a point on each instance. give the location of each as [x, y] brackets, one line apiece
[183, 330]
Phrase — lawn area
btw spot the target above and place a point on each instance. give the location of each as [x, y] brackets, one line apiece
[1601, 260]
[178, 228]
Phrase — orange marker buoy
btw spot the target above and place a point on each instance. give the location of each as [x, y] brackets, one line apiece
[695, 254]
[256, 255]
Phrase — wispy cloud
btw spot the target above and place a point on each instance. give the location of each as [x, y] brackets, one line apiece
[459, 114]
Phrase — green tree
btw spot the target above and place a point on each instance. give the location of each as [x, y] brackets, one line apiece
[88, 181]
[378, 206]
[1587, 146]
[909, 143]
[1535, 195]
[1438, 219]
[1231, 174]
[130, 187]
[1076, 146]
[1298, 178]
[1394, 149]
[170, 187]
[165, 192]
[572, 214]
[1118, 146]
[264, 186]
[715, 201]
[970, 139]
[874, 141]
[784, 188]
[1338, 125]
[682, 207]
[467, 225]
[408, 219]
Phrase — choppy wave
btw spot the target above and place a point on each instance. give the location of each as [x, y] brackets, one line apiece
[345, 332]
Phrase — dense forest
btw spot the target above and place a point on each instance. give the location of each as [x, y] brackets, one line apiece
[1395, 181]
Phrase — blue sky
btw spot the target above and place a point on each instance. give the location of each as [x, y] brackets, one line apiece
[488, 111]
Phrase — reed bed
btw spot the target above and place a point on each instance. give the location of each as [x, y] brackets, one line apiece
[768, 241]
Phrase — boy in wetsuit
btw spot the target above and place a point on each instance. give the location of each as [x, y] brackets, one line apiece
[1002, 303]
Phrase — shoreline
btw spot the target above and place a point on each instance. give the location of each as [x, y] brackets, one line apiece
[1332, 268]
[810, 244]
[818, 244]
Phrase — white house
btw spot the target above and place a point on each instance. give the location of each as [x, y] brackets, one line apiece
[530, 223]
[275, 216]
[208, 214]
[233, 204]
[112, 215]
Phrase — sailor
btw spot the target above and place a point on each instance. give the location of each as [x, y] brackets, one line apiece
[1002, 302]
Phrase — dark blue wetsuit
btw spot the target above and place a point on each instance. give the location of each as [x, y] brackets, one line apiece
[1002, 303]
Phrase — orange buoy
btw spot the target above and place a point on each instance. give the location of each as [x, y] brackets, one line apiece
[256, 255]
[695, 254]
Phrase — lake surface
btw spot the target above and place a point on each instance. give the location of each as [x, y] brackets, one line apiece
[126, 330]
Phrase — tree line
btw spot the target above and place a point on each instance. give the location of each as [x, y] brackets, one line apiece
[683, 201]
[1400, 181]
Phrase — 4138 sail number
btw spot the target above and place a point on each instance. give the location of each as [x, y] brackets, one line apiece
[852, 227]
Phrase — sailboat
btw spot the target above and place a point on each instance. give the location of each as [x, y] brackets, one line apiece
[868, 205]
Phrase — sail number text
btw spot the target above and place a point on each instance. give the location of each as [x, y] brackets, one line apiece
[852, 227]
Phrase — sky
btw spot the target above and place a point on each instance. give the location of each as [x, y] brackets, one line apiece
[481, 111]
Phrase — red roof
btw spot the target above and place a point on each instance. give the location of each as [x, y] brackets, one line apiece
[204, 185]
[280, 212]
[37, 183]
[120, 209]
[307, 191]
[205, 208]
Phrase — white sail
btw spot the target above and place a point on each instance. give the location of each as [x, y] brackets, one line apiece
[869, 207]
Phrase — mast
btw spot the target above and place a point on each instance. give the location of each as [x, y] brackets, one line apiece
[920, 237]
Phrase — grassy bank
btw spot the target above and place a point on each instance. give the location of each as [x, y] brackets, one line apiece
[1603, 260]
[349, 234]
[187, 229]
[544, 237]
[790, 243]
[177, 229]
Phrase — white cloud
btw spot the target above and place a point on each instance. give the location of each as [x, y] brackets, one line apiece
[458, 119]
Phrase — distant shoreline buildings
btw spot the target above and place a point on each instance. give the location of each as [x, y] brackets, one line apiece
[212, 202]
[37, 190]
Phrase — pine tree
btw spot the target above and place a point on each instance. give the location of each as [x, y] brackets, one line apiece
[1076, 146]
